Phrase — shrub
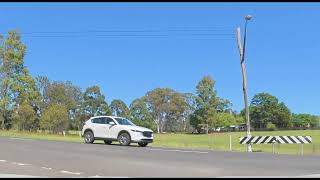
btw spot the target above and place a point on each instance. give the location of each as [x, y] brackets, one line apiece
[271, 126]
[25, 118]
[54, 118]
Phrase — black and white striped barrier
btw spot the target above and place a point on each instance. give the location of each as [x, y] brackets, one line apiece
[276, 139]
[293, 139]
[257, 140]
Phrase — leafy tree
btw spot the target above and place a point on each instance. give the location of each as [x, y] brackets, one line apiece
[166, 106]
[158, 104]
[80, 117]
[54, 118]
[239, 119]
[42, 83]
[204, 115]
[94, 102]
[223, 105]
[225, 120]
[176, 115]
[75, 110]
[203, 118]
[316, 121]
[271, 126]
[140, 114]
[25, 117]
[16, 83]
[266, 108]
[63, 94]
[190, 108]
[206, 93]
[305, 120]
[119, 108]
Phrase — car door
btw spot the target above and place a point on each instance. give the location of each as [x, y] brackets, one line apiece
[113, 130]
[100, 129]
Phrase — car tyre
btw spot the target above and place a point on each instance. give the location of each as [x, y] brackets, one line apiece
[88, 137]
[124, 139]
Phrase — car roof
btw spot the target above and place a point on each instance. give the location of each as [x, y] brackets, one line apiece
[105, 116]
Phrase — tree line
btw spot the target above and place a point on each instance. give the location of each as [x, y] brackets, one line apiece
[37, 103]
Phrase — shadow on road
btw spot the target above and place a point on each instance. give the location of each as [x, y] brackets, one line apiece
[103, 144]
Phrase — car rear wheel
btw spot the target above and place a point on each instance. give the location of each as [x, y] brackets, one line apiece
[124, 139]
[143, 144]
[88, 137]
[107, 142]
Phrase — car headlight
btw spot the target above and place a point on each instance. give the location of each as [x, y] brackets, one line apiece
[136, 130]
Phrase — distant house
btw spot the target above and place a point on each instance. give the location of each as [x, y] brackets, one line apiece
[232, 128]
[241, 127]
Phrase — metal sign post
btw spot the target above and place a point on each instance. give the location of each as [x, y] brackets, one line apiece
[272, 148]
[230, 143]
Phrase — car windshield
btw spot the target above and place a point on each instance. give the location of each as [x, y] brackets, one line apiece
[123, 121]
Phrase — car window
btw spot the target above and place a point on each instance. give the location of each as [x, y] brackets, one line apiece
[123, 121]
[94, 120]
[109, 120]
[103, 120]
[97, 121]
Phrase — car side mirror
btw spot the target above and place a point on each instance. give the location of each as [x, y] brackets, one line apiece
[112, 123]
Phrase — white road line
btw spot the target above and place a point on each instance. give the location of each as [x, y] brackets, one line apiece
[107, 176]
[255, 177]
[200, 152]
[311, 176]
[2, 160]
[23, 139]
[305, 176]
[97, 176]
[20, 164]
[68, 172]
[16, 176]
[47, 168]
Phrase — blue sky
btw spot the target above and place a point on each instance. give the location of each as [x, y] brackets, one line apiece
[282, 54]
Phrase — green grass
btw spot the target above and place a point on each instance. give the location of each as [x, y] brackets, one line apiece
[41, 136]
[221, 141]
[216, 141]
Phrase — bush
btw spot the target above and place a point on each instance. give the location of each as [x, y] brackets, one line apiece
[271, 126]
[25, 118]
[54, 118]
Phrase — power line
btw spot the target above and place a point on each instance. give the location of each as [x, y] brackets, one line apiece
[140, 37]
[178, 33]
[132, 35]
[127, 31]
[145, 37]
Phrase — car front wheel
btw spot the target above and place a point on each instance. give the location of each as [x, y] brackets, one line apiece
[124, 139]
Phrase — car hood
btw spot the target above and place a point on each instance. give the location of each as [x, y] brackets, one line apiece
[139, 128]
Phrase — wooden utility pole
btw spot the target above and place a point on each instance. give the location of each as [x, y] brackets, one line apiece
[244, 83]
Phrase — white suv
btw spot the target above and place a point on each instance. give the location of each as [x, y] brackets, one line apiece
[111, 128]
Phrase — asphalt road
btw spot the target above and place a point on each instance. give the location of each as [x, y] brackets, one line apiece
[28, 158]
